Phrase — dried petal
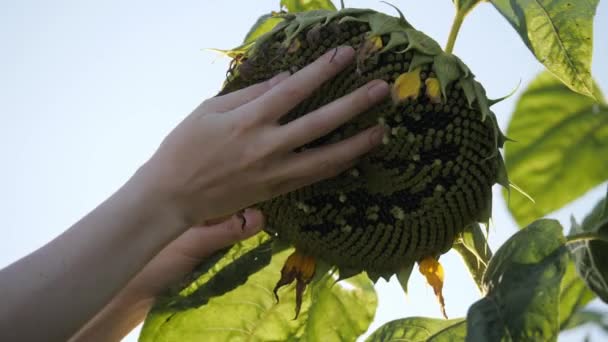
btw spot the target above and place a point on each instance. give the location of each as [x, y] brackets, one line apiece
[433, 272]
[298, 267]
[294, 46]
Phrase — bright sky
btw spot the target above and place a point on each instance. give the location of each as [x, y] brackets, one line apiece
[89, 88]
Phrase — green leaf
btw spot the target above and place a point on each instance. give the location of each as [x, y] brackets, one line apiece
[560, 35]
[232, 299]
[474, 249]
[465, 6]
[574, 295]
[421, 329]
[307, 5]
[523, 286]
[596, 318]
[591, 255]
[560, 149]
[263, 25]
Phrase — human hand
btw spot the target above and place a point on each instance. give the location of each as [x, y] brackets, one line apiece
[231, 152]
[188, 250]
[129, 307]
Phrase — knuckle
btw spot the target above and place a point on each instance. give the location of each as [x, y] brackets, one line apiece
[330, 168]
[241, 125]
[316, 123]
[255, 157]
[234, 227]
[293, 92]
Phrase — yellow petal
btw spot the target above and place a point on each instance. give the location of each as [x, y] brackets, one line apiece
[376, 42]
[406, 86]
[239, 51]
[433, 272]
[433, 90]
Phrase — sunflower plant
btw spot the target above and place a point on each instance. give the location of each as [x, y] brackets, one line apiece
[428, 189]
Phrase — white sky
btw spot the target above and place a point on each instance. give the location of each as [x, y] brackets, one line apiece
[89, 89]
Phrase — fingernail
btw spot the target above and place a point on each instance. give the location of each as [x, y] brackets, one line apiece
[279, 78]
[341, 55]
[378, 134]
[377, 89]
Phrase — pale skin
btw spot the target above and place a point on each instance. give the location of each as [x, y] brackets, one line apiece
[98, 279]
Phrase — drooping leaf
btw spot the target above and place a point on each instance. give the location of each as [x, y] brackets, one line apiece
[263, 25]
[523, 286]
[591, 255]
[233, 300]
[560, 35]
[421, 329]
[351, 304]
[560, 149]
[465, 6]
[474, 249]
[294, 6]
[574, 295]
[598, 319]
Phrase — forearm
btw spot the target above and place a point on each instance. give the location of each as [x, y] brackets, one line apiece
[49, 294]
[116, 320]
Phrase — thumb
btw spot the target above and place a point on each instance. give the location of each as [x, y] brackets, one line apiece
[236, 228]
[200, 242]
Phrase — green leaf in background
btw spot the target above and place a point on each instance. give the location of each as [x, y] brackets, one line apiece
[233, 301]
[591, 255]
[307, 5]
[574, 295]
[474, 249]
[523, 286]
[598, 319]
[561, 148]
[560, 35]
[421, 329]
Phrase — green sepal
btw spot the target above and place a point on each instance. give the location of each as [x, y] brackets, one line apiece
[322, 268]
[383, 24]
[492, 102]
[373, 276]
[463, 67]
[447, 69]
[422, 43]
[419, 59]
[403, 276]
[396, 38]
[345, 273]
[502, 178]
[469, 90]
[482, 100]
[401, 16]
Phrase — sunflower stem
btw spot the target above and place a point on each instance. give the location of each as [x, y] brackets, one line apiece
[587, 236]
[456, 24]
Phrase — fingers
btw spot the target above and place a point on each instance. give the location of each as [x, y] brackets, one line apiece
[224, 103]
[327, 118]
[328, 161]
[218, 236]
[284, 97]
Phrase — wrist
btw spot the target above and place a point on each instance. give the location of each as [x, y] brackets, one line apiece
[158, 199]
